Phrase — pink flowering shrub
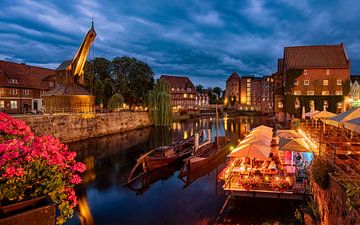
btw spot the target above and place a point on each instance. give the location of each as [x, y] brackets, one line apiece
[32, 167]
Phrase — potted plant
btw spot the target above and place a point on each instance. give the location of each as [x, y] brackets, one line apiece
[249, 182]
[34, 168]
[281, 184]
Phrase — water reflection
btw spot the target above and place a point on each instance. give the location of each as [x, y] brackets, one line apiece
[104, 199]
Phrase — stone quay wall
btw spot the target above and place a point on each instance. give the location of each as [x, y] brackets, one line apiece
[332, 205]
[75, 127]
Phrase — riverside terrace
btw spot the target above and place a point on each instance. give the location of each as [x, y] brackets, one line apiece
[267, 167]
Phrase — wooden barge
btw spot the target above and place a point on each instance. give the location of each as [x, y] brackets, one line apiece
[205, 156]
[162, 156]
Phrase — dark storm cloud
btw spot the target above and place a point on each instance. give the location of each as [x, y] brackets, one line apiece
[205, 40]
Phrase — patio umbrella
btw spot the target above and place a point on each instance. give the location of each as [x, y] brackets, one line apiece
[343, 117]
[295, 144]
[261, 131]
[287, 134]
[251, 151]
[257, 139]
[263, 127]
[323, 115]
[353, 125]
[309, 114]
[263, 142]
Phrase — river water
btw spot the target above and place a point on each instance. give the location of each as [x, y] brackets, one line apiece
[164, 198]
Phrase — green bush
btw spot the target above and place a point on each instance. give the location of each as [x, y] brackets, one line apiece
[352, 194]
[116, 101]
[319, 172]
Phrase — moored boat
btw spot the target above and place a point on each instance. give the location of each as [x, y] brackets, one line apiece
[205, 156]
[163, 156]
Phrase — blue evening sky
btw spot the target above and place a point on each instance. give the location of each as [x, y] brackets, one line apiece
[205, 40]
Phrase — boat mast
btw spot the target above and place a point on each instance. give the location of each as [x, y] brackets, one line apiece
[217, 120]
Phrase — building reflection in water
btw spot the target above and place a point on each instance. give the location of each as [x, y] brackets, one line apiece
[110, 159]
[84, 213]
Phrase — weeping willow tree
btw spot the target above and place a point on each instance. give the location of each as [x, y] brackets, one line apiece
[159, 104]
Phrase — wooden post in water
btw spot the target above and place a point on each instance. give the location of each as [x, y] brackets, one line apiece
[209, 135]
[196, 141]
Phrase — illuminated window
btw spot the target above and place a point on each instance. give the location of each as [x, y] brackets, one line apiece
[338, 93]
[13, 91]
[172, 89]
[305, 72]
[325, 92]
[51, 83]
[185, 95]
[2, 104]
[327, 72]
[306, 82]
[310, 93]
[280, 105]
[26, 92]
[339, 105]
[13, 104]
[296, 82]
[339, 82]
[297, 92]
[13, 81]
[42, 92]
[325, 82]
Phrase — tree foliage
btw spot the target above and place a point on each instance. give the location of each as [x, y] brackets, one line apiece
[132, 79]
[319, 172]
[115, 102]
[127, 76]
[159, 103]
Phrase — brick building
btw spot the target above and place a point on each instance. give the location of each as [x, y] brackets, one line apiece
[266, 101]
[232, 91]
[22, 87]
[251, 93]
[202, 99]
[323, 70]
[183, 92]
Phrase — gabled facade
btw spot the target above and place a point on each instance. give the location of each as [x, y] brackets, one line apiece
[232, 91]
[22, 87]
[183, 92]
[324, 72]
[354, 95]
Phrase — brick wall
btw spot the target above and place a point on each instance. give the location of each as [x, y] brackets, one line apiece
[332, 205]
[74, 127]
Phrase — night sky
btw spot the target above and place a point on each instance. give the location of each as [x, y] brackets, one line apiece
[205, 40]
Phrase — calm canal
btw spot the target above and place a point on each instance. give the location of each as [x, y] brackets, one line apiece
[164, 199]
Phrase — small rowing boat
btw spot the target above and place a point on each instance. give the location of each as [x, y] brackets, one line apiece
[205, 156]
[163, 156]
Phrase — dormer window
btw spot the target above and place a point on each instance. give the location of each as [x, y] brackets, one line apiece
[13, 81]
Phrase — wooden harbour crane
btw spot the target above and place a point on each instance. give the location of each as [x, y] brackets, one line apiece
[69, 95]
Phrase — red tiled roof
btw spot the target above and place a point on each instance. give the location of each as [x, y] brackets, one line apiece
[321, 56]
[178, 82]
[234, 75]
[28, 76]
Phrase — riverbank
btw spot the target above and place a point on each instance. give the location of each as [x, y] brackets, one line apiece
[75, 127]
